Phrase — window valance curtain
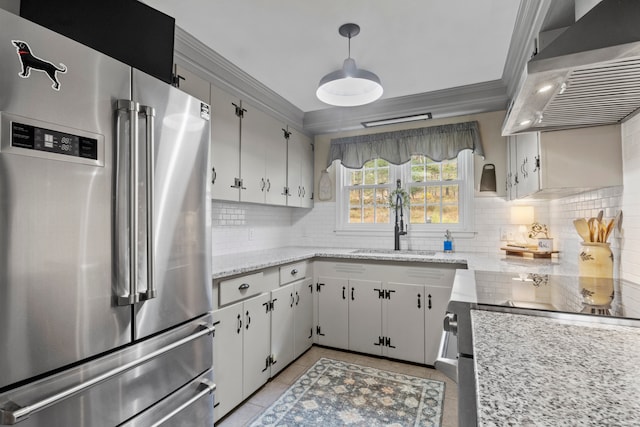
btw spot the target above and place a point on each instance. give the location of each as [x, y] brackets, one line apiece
[436, 142]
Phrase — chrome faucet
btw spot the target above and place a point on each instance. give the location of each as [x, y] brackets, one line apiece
[399, 229]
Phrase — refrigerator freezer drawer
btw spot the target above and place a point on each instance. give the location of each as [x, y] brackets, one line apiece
[115, 387]
[192, 405]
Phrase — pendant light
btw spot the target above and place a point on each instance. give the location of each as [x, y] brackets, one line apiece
[349, 86]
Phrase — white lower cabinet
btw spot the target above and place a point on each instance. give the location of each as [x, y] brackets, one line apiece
[333, 312]
[403, 322]
[397, 315]
[365, 316]
[282, 314]
[291, 323]
[303, 317]
[241, 351]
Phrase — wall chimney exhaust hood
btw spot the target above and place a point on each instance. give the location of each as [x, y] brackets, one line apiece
[588, 76]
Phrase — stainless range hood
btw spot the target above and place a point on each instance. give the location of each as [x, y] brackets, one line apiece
[588, 76]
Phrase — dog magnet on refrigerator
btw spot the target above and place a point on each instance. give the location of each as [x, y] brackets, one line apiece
[29, 61]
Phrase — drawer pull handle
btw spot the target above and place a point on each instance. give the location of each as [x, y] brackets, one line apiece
[243, 286]
[294, 272]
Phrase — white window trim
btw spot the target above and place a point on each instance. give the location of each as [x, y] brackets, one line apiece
[465, 228]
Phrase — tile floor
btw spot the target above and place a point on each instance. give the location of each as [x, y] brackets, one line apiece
[265, 396]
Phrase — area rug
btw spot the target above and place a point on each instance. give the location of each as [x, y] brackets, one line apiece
[334, 393]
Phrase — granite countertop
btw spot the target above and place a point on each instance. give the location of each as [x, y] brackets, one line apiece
[245, 262]
[538, 371]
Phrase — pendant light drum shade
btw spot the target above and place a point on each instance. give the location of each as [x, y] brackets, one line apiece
[349, 86]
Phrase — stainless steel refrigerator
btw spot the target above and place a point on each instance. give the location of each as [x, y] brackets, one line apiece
[104, 240]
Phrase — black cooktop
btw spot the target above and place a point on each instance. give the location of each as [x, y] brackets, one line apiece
[557, 293]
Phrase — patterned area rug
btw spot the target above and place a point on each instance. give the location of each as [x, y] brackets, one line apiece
[334, 393]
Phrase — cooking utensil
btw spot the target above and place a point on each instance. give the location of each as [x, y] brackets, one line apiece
[592, 229]
[600, 214]
[582, 228]
[609, 229]
[618, 221]
[488, 178]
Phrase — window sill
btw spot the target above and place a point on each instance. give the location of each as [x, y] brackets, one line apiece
[457, 234]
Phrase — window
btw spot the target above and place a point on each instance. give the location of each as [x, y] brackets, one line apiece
[440, 195]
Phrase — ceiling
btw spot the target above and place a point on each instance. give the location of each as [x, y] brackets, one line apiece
[414, 46]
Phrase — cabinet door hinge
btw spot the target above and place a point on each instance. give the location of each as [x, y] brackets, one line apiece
[380, 293]
[380, 341]
[318, 288]
[387, 342]
[319, 331]
[269, 305]
[387, 293]
[239, 110]
[287, 134]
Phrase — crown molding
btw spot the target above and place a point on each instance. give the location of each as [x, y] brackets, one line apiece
[529, 21]
[476, 98]
[462, 100]
[195, 56]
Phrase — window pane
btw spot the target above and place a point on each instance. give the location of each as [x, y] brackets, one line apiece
[418, 160]
[369, 176]
[368, 196]
[450, 214]
[355, 215]
[450, 194]
[433, 214]
[433, 171]
[356, 178]
[382, 215]
[383, 176]
[450, 169]
[382, 163]
[355, 197]
[417, 173]
[382, 196]
[368, 215]
[417, 215]
[433, 194]
[416, 195]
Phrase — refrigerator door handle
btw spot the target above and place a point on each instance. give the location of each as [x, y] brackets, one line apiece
[207, 387]
[149, 113]
[131, 108]
[12, 413]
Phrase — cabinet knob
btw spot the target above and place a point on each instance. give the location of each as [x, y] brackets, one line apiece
[294, 272]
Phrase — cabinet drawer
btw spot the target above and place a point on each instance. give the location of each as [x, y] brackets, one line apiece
[241, 287]
[292, 272]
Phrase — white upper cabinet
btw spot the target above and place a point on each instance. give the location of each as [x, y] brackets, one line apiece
[560, 163]
[300, 170]
[225, 145]
[263, 156]
[192, 84]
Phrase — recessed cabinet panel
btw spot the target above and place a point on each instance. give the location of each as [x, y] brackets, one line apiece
[333, 312]
[257, 343]
[282, 313]
[225, 145]
[227, 360]
[303, 317]
[365, 316]
[403, 317]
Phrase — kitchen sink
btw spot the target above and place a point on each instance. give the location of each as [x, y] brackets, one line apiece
[530, 305]
[393, 252]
